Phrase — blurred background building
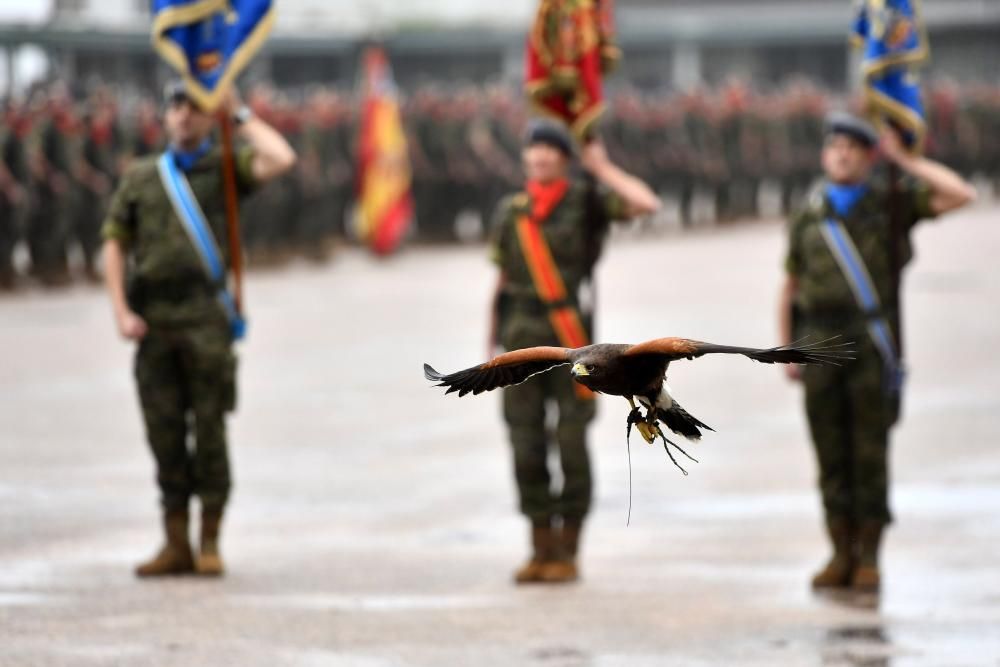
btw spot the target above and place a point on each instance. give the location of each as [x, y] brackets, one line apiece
[669, 45]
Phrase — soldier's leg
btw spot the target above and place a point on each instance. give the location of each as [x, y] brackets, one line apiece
[8, 238]
[575, 414]
[723, 202]
[41, 211]
[826, 395]
[870, 433]
[211, 370]
[753, 197]
[164, 401]
[524, 412]
[60, 234]
[89, 232]
[827, 408]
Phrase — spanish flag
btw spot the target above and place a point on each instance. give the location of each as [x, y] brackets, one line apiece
[893, 41]
[385, 206]
[570, 48]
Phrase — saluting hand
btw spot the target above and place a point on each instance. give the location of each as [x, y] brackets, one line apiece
[231, 101]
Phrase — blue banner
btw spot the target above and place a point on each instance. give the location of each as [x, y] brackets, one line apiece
[209, 41]
[892, 39]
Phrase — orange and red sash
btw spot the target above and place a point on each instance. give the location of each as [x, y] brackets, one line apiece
[564, 317]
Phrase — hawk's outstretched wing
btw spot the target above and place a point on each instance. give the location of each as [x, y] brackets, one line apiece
[823, 352]
[507, 369]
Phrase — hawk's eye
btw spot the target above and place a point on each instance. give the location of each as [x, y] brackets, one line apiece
[590, 368]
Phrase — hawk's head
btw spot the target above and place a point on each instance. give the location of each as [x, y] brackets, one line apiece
[588, 372]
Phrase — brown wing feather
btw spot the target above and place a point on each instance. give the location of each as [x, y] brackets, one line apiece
[675, 348]
[502, 371]
[823, 352]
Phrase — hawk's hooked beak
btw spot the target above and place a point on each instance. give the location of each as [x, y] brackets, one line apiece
[579, 370]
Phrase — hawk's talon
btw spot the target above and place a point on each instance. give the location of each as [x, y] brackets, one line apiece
[641, 423]
[646, 432]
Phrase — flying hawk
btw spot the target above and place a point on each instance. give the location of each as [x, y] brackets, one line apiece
[636, 372]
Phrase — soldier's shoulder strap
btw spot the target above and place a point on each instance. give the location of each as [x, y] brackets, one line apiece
[192, 218]
[845, 252]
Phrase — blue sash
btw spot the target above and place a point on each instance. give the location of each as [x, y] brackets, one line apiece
[853, 267]
[196, 225]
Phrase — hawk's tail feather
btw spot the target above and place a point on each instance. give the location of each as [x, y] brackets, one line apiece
[680, 421]
[823, 352]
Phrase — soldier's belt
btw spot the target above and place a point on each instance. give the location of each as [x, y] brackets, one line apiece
[532, 305]
[175, 291]
[840, 316]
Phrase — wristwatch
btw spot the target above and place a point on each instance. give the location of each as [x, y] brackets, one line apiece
[242, 115]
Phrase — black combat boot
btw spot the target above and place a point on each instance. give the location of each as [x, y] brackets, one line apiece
[175, 556]
[838, 571]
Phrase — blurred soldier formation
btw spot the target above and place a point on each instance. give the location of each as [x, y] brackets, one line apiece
[62, 158]
[707, 153]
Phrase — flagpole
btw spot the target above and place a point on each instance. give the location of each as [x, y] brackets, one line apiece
[895, 249]
[232, 207]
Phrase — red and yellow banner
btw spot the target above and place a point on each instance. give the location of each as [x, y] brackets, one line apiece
[564, 317]
[570, 48]
[385, 205]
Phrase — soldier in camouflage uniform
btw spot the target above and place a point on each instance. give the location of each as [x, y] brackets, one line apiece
[574, 230]
[53, 156]
[13, 193]
[850, 412]
[96, 175]
[145, 132]
[185, 365]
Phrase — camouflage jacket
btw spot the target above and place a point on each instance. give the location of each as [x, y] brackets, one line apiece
[823, 291]
[574, 244]
[165, 272]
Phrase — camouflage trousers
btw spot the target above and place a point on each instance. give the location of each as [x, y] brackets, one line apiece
[524, 409]
[47, 231]
[187, 383]
[850, 418]
[8, 239]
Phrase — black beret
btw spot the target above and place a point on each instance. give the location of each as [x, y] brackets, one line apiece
[542, 131]
[841, 122]
[175, 91]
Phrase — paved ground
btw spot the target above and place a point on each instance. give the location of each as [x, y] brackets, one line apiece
[373, 523]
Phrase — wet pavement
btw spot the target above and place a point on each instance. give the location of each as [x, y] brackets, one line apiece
[373, 522]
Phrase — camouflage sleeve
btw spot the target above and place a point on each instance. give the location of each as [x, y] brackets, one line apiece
[245, 181]
[499, 232]
[918, 200]
[118, 223]
[615, 207]
[793, 259]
